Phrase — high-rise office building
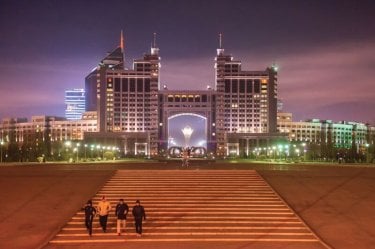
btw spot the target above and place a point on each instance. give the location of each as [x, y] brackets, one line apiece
[127, 99]
[75, 103]
[246, 104]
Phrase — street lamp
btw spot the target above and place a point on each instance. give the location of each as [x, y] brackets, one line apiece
[368, 158]
[104, 148]
[77, 149]
[286, 150]
[304, 151]
[280, 149]
[297, 151]
[68, 144]
[92, 149]
[85, 152]
[1, 148]
[274, 152]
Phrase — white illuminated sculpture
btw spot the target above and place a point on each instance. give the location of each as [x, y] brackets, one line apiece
[187, 131]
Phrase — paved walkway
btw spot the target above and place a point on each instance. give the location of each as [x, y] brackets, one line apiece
[195, 206]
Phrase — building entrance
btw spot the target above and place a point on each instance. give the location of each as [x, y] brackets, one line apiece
[187, 130]
[187, 121]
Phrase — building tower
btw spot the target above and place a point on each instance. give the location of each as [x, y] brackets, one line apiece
[246, 101]
[127, 99]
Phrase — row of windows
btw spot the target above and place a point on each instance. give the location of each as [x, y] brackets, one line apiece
[242, 110]
[242, 86]
[248, 101]
[235, 115]
[132, 129]
[241, 106]
[133, 124]
[231, 68]
[188, 98]
[250, 124]
[132, 112]
[126, 100]
[132, 95]
[183, 105]
[130, 85]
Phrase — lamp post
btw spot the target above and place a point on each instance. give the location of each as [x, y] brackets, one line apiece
[1, 148]
[98, 148]
[77, 149]
[286, 151]
[297, 151]
[103, 152]
[368, 158]
[280, 149]
[85, 152]
[274, 152]
[304, 151]
[67, 145]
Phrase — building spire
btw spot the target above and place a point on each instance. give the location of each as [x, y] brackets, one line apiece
[220, 40]
[122, 41]
[154, 49]
[220, 50]
[154, 41]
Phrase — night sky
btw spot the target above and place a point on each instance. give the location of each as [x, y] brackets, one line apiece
[325, 49]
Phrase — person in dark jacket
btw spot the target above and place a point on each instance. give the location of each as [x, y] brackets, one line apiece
[122, 210]
[90, 212]
[139, 214]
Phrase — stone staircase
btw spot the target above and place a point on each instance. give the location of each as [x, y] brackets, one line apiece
[195, 206]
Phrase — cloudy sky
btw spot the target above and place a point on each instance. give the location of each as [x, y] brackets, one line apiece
[325, 49]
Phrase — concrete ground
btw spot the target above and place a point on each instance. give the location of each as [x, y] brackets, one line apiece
[337, 202]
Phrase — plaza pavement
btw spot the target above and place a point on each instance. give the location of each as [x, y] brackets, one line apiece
[337, 203]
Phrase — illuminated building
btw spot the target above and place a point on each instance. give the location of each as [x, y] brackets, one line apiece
[126, 99]
[43, 134]
[246, 105]
[75, 104]
[298, 131]
[240, 112]
[325, 133]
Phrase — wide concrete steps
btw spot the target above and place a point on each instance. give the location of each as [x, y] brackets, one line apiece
[226, 206]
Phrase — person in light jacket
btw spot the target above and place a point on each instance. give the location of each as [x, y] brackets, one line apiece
[104, 207]
[139, 215]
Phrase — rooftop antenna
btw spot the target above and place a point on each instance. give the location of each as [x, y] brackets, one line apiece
[220, 50]
[154, 49]
[220, 41]
[122, 41]
[154, 41]
[122, 46]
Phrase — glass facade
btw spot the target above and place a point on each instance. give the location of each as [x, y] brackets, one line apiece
[75, 103]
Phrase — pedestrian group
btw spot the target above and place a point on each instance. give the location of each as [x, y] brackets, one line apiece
[104, 207]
